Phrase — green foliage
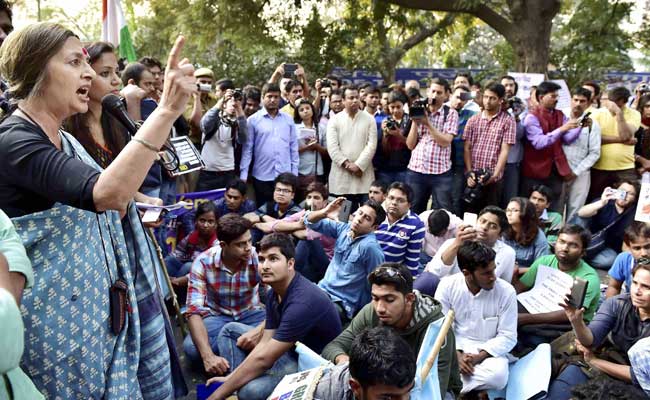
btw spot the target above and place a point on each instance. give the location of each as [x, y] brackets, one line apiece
[591, 41]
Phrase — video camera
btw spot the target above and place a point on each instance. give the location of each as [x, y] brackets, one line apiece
[417, 109]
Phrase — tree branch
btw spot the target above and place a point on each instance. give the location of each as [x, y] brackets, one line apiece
[425, 33]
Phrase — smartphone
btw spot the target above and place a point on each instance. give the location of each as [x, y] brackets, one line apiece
[470, 219]
[465, 96]
[583, 119]
[344, 212]
[619, 194]
[290, 70]
[578, 292]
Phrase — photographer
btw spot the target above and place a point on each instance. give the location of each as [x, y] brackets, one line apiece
[284, 76]
[430, 137]
[488, 137]
[512, 173]
[394, 130]
[224, 133]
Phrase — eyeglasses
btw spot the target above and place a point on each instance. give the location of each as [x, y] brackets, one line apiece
[283, 190]
[389, 271]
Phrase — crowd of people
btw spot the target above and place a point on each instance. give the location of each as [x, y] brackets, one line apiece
[352, 217]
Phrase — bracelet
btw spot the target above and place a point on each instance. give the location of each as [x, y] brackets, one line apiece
[146, 144]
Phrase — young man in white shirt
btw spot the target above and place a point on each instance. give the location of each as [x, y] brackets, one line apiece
[485, 324]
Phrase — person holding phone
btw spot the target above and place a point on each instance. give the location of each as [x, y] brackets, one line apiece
[624, 319]
[312, 147]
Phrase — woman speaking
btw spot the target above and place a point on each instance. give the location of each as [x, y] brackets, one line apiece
[94, 323]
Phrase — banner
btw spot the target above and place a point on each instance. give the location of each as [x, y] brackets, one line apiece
[430, 388]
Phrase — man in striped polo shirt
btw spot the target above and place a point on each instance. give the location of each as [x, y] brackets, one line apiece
[402, 233]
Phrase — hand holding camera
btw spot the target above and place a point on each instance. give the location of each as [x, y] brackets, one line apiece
[612, 194]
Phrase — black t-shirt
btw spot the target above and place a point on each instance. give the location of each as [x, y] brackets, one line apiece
[34, 174]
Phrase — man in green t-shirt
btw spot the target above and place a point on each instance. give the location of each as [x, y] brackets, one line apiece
[570, 247]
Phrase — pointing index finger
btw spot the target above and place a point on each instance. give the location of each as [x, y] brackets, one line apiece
[175, 53]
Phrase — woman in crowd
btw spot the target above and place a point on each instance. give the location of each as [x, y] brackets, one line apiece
[642, 135]
[94, 316]
[524, 234]
[620, 322]
[312, 147]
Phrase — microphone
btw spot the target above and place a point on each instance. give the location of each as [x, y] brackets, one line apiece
[113, 105]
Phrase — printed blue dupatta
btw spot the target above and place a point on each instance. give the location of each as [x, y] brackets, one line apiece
[70, 350]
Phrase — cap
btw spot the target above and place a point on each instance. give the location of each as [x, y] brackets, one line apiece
[204, 72]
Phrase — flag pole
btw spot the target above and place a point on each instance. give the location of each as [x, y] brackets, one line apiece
[442, 335]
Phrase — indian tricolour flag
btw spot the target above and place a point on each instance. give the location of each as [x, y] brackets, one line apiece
[115, 30]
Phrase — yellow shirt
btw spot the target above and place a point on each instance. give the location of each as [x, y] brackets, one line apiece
[288, 109]
[615, 156]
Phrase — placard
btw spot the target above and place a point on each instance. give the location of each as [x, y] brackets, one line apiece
[564, 100]
[298, 386]
[189, 158]
[525, 81]
[643, 205]
[551, 287]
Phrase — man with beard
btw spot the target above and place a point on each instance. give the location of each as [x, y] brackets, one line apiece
[394, 304]
[273, 144]
[485, 324]
[570, 247]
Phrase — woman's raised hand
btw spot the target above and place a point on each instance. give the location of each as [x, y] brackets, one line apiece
[180, 83]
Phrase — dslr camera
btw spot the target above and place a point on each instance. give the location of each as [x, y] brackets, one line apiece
[644, 88]
[516, 105]
[391, 123]
[237, 94]
[417, 109]
[472, 195]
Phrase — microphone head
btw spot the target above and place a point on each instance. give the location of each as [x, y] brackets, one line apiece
[111, 102]
[113, 105]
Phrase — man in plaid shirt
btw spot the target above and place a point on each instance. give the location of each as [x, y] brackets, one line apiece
[223, 287]
[429, 171]
[488, 137]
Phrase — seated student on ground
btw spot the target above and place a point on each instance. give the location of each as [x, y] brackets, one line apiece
[356, 254]
[223, 287]
[439, 225]
[639, 355]
[490, 225]
[569, 251]
[524, 234]
[382, 366]
[613, 214]
[541, 196]
[296, 310]
[485, 324]
[378, 191]
[637, 241]
[314, 250]
[395, 305]
[234, 200]
[281, 206]
[204, 236]
[621, 321]
[402, 233]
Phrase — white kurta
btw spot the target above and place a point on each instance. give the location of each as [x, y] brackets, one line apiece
[355, 140]
[485, 321]
[504, 260]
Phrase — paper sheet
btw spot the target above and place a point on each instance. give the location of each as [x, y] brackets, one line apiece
[551, 286]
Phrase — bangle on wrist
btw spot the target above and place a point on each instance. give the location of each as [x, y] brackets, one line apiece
[146, 144]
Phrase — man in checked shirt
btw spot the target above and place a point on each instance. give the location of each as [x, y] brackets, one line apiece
[223, 287]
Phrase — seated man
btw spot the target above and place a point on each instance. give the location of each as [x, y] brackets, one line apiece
[356, 254]
[637, 241]
[281, 206]
[381, 366]
[485, 324]
[234, 200]
[223, 287]
[492, 221]
[640, 361]
[569, 250]
[314, 250]
[296, 310]
[439, 225]
[395, 305]
[613, 214]
[402, 233]
[541, 196]
[204, 236]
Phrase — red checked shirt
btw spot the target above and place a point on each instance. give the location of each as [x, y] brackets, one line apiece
[214, 290]
[429, 157]
[486, 136]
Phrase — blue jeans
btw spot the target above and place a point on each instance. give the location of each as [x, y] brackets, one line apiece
[437, 187]
[426, 283]
[311, 259]
[560, 388]
[389, 177]
[261, 387]
[177, 268]
[605, 258]
[214, 325]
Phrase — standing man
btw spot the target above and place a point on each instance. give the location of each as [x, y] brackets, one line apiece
[293, 90]
[486, 318]
[351, 143]
[200, 104]
[617, 123]
[581, 154]
[272, 142]
[546, 129]
[488, 137]
[429, 171]
[512, 173]
[402, 233]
